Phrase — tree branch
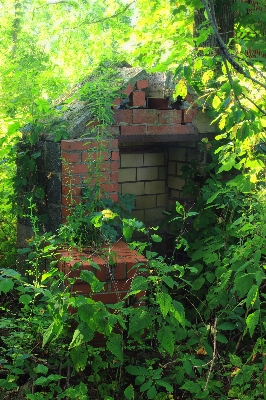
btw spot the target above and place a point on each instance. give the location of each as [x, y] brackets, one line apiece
[209, 8]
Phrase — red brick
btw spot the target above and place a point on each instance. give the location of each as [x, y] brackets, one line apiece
[114, 176]
[144, 116]
[189, 115]
[170, 116]
[115, 155]
[116, 102]
[123, 116]
[114, 197]
[66, 211]
[157, 103]
[74, 145]
[71, 157]
[120, 245]
[114, 166]
[143, 84]
[137, 99]
[183, 129]
[159, 130]
[109, 298]
[120, 269]
[112, 130]
[69, 179]
[80, 168]
[133, 130]
[129, 89]
[110, 187]
[87, 157]
[104, 177]
[91, 124]
[74, 190]
[70, 201]
[120, 285]
[191, 99]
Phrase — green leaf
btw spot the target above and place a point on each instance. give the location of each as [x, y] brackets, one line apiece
[42, 381]
[79, 356]
[228, 163]
[129, 392]
[164, 301]
[41, 369]
[198, 283]
[135, 370]
[252, 296]
[221, 338]
[138, 321]
[151, 393]
[145, 386]
[165, 384]
[89, 277]
[127, 231]
[191, 387]
[257, 257]
[25, 299]
[243, 283]
[166, 339]
[251, 322]
[139, 284]
[216, 102]
[226, 326]
[156, 238]
[177, 309]
[115, 345]
[169, 281]
[6, 284]
[82, 334]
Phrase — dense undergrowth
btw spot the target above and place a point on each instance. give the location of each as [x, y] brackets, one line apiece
[199, 334]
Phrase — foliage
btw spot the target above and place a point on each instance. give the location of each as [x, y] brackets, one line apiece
[201, 331]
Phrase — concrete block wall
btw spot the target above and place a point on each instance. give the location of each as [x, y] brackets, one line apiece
[143, 174]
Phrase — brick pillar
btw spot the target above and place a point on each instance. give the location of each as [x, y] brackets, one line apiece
[80, 160]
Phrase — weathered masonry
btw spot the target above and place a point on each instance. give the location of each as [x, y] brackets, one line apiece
[153, 136]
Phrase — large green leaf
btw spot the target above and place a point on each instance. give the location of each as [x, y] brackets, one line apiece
[115, 345]
[166, 339]
[164, 301]
[138, 321]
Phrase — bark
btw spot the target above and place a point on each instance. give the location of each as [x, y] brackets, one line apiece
[225, 22]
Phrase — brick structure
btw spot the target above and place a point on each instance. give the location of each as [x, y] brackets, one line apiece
[152, 138]
[117, 267]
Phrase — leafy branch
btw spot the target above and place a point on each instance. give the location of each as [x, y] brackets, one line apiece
[209, 8]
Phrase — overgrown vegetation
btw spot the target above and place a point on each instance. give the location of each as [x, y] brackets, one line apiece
[201, 331]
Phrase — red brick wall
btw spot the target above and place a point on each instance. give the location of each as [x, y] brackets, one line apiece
[79, 155]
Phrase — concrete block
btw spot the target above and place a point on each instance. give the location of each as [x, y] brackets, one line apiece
[127, 175]
[131, 160]
[177, 154]
[175, 194]
[136, 188]
[179, 168]
[161, 200]
[138, 214]
[154, 159]
[154, 187]
[147, 173]
[172, 167]
[143, 202]
[154, 214]
[162, 173]
[174, 182]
